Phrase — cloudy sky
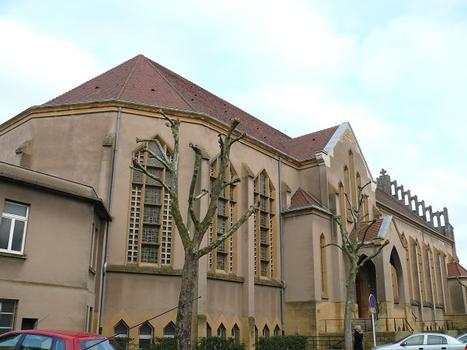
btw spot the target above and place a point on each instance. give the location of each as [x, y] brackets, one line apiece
[396, 70]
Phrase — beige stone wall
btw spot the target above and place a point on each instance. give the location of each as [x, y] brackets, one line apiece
[69, 146]
[75, 144]
[52, 281]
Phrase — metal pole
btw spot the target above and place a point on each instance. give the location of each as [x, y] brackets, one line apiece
[374, 330]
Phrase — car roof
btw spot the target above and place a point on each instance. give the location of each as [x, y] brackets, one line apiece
[59, 333]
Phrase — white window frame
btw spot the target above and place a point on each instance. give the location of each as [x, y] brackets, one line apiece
[13, 219]
[12, 314]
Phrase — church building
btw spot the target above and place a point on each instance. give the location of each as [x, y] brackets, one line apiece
[78, 224]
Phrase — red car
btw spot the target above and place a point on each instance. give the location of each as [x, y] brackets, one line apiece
[54, 340]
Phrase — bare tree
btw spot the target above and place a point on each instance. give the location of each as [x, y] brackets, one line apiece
[192, 230]
[353, 243]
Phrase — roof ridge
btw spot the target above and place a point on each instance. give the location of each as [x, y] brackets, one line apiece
[129, 76]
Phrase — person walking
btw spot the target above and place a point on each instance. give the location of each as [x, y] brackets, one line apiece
[358, 338]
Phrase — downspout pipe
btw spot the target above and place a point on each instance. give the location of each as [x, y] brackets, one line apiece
[281, 244]
[109, 204]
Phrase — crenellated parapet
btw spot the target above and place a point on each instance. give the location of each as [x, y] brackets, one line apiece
[438, 220]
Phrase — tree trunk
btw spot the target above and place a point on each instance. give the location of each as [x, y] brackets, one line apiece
[349, 306]
[185, 301]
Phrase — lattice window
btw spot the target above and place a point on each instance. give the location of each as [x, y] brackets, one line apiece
[150, 222]
[223, 258]
[134, 224]
[264, 227]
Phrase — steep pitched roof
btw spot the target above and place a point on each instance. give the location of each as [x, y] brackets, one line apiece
[456, 269]
[373, 231]
[306, 146]
[302, 198]
[143, 81]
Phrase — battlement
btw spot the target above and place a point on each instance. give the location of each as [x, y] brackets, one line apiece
[438, 220]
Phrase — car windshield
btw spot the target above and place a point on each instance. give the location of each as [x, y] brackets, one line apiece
[98, 344]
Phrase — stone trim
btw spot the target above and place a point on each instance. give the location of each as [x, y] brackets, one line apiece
[225, 277]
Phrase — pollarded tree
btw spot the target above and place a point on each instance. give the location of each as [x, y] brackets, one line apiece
[354, 241]
[193, 229]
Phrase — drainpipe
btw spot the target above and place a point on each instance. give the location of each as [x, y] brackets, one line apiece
[107, 229]
[281, 243]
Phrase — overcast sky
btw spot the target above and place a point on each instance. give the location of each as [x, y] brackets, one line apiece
[396, 70]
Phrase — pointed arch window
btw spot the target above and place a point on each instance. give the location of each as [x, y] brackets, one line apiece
[277, 331]
[169, 330]
[150, 221]
[121, 329]
[221, 331]
[265, 227]
[420, 276]
[324, 267]
[266, 331]
[146, 334]
[342, 203]
[429, 282]
[394, 278]
[236, 333]
[347, 192]
[352, 179]
[364, 199]
[208, 330]
[224, 257]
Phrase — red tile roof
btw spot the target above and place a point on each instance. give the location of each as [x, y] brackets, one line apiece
[456, 269]
[143, 81]
[302, 198]
[372, 231]
[306, 146]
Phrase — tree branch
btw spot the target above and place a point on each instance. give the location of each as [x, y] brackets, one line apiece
[165, 161]
[370, 257]
[201, 195]
[233, 182]
[194, 180]
[218, 184]
[365, 233]
[139, 167]
[232, 229]
[332, 245]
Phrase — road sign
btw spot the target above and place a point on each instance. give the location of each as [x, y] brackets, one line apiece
[372, 303]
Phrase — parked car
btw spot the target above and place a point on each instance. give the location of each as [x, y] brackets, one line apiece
[425, 341]
[462, 338]
[54, 340]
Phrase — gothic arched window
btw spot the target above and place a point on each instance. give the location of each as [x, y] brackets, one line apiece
[266, 331]
[223, 258]
[221, 331]
[121, 329]
[150, 221]
[146, 333]
[169, 330]
[236, 333]
[265, 226]
[324, 267]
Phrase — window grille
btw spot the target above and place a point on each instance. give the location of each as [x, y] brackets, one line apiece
[222, 258]
[264, 226]
[150, 221]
